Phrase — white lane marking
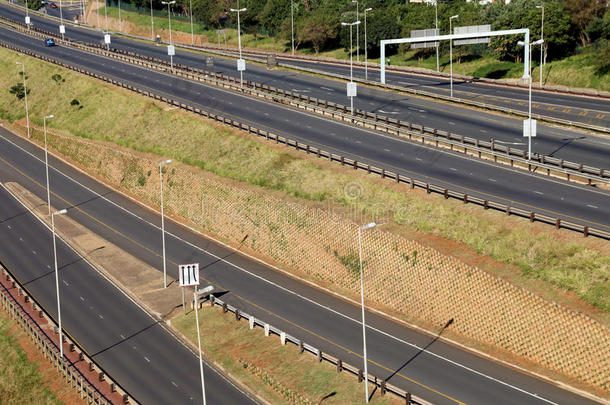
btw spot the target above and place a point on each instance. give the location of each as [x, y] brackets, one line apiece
[82, 299]
[451, 168]
[415, 159]
[356, 142]
[591, 206]
[20, 239]
[48, 266]
[173, 383]
[509, 143]
[389, 112]
[483, 130]
[66, 283]
[538, 192]
[326, 88]
[258, 277]
[100, 315]
[387, 150]
[267, 114]
[490, 179]
[146, 358]
[9, 227]
[33, 251]
[301, 91]
[451, 123]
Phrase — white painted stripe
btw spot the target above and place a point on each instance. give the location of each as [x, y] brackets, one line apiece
[591, 206]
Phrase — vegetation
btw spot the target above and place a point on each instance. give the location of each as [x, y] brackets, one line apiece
[569, 262]
[20, 380]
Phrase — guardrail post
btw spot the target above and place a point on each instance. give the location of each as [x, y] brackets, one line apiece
[427, 188]
[383, 387]
[339, 366]
[557, 223]
[408, 398]
[360, 376]
[212, 300]
[585, 231]
[102, 376]
[283, 338]
[319, 355]
[225, 308]
[532, 216]
[251, 322]
[301, 347]
[486, 204]
[266, 329]
[125, 399]
[446, 194]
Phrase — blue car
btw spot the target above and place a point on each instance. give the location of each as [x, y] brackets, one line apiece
[49, 42]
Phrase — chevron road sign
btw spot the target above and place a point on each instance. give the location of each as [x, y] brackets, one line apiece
[189, 274]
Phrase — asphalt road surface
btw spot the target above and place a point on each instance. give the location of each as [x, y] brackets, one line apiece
[151, 364]
[564, 144]
[417, 362]
[581, 204]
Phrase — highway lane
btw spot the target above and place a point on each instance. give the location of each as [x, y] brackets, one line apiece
[153, 366]
[425, 366]
[585, 205]
[560, 143]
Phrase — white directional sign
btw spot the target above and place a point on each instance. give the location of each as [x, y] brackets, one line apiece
[27, 20]
[107, 38]
[189, 274]
[526, 128]
[352, 89]
[171, 51]
[62, 29]
[241, 65]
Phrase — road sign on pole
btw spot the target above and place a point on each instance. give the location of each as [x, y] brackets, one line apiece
[171, 50]
[189, 274]
[529, 128]
[352, 89]
[107, 39]
[241, 65]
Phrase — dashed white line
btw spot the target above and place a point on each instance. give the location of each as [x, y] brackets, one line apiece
[146, 358]
[174, 384]
[451, 168]
[33, 251]
[592, 206]
[66, 283]
[418, 159]
[82, 299]
[451, 123]
[538, 192]
[490, 179]
[101, 317]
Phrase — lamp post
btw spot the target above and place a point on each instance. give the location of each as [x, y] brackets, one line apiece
[351, 86]
[152, 23]
[62, 27]
[61, 346]
[241, 64]
[27, 14]
[366, 53]
[292, 23]
[170, 47]
[120, 21]
[106, 15]
[357, 32]
[25, 92]
[165, 162]
[192, 31]
[451, 54]
[206, 290]
[436, 26]
[542, 47]
[366, 379]
[46, 158]
[529, 136]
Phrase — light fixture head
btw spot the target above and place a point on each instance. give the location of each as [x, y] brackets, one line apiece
[165, 162]
[368, 226]
[368, 9]
[454, 16]
[49, 116]
[521, 43]
[60, 212]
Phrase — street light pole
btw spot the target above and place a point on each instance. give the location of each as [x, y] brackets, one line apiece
[195, 304]
[542, 47]
[366, 378]
[192, 32]
[165, 162]
[61, 346]
[120, 21]
[366, 53]
[46, 159]
[170, 48]
[240, 63]
[152, 23]
[61, 21]
[25, 91]
[529, 138]
[451, 54]
[436, 26]
[357, 32]
[351, 63]
[292, 23]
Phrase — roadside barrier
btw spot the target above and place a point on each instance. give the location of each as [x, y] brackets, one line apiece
[333, 157]
[488, 150]
[379, 383]
[78, 369]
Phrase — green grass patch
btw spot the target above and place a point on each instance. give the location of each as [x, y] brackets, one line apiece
[109, 114]
[233, 345]
[20, 379]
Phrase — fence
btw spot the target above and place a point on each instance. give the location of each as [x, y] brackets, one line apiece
[31, 316]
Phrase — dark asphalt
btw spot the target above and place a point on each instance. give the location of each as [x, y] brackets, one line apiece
[151, 364]
[585, 205]
[441, 373]
[569, 145]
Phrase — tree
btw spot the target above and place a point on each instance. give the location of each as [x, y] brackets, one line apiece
[319, 28]
[379, 26]
[35, 4]
[18, 90]
[582, 12]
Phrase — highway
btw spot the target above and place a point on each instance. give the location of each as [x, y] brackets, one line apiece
[139, 353]
[427, 367]
[585, 205]
[561, 143]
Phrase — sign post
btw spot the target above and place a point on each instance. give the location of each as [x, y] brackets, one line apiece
[189, 276]
[205, 291]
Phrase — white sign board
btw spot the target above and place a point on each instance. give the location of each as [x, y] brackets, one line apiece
[352, 89]
[241, 65]
[62, 29]
[27, 20]
[171, 50]
[106, 38]
[526, 128]
[189, 274]
[424, 33]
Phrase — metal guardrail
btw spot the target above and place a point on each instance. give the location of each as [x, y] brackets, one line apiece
[340, 365]
[88, 391]
[333, 157]
[489, 150]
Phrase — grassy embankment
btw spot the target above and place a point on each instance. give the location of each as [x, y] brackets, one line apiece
[234, 346]
[576, 71]
[20, 379]
[545, 259]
